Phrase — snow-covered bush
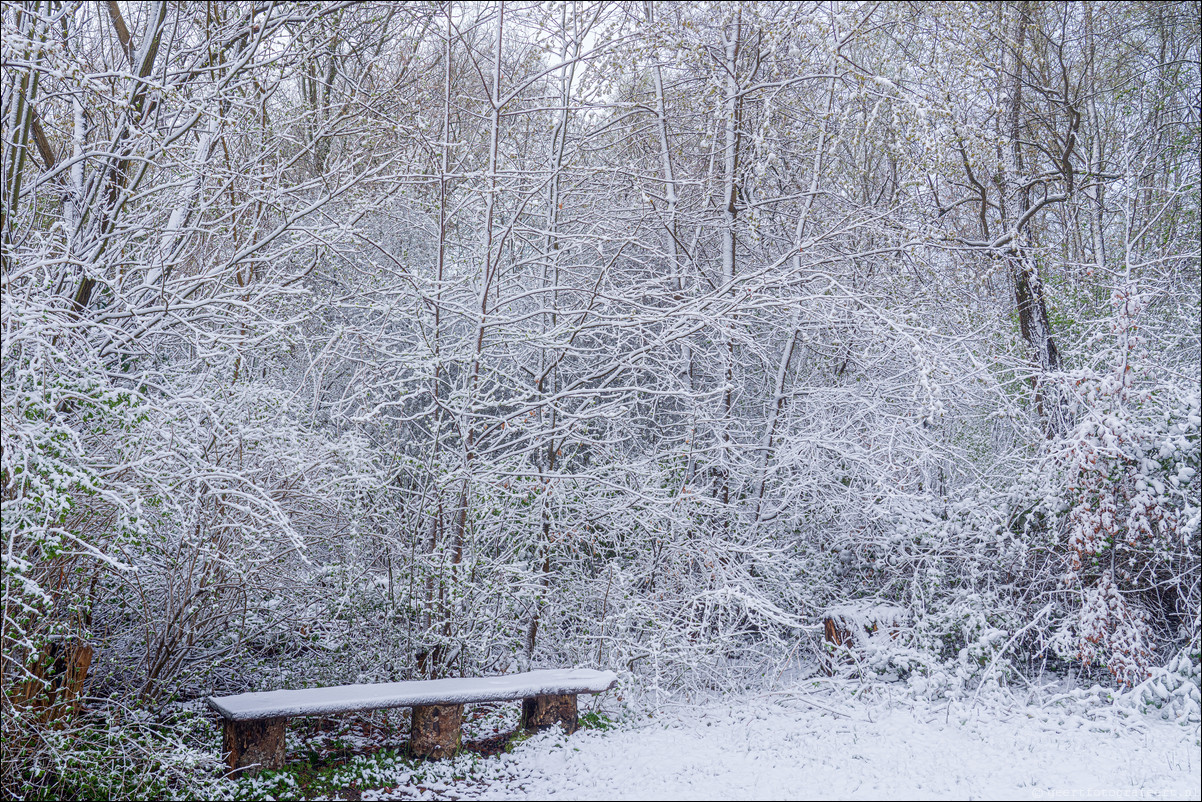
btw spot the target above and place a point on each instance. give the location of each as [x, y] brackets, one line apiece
[1172, 690]
[118, 752]
[1130, 495]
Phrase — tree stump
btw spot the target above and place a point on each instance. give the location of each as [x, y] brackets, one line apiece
[435, 731]
[252, 746]
[541, 712]
[843, 626]
[79, 659]
[59, 675]
[835, 636]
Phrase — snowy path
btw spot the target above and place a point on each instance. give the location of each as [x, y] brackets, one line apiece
[783, 748]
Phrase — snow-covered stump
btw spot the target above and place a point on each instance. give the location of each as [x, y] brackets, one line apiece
[845, 625]
[541, 712]
[253, 745]
[435, 732]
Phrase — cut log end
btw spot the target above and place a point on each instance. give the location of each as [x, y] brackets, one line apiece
[845, 628]
[435, 732]
[837, 636]
[541, 712]
[252, 746]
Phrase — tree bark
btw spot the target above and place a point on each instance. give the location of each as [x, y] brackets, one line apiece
[252, 746]
[435, 732]
[543, 712]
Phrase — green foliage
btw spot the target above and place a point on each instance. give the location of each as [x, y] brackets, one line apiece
[1174, 691]
[596, 720]
[517, 739]
[324, 779]
[115, 754]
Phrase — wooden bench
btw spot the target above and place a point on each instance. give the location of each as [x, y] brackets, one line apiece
[253, 737]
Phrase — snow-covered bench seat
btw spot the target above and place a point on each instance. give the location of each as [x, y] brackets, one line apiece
[254, 722]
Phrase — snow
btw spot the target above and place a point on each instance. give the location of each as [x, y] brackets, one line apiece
[868, 615]
[802, 745]
[347, 698]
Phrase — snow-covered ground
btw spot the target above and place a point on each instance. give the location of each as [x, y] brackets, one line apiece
[801, 745]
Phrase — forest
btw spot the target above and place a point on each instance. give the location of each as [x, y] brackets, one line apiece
[354, 342]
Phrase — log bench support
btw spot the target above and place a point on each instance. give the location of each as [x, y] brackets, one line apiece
[253, 745]
[434, 732]
[542, 712]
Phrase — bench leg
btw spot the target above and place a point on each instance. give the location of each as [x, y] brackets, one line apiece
[252, 746]
[541, 712]
[435, 731]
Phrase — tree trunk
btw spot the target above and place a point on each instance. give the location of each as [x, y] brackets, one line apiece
[1029, 299]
